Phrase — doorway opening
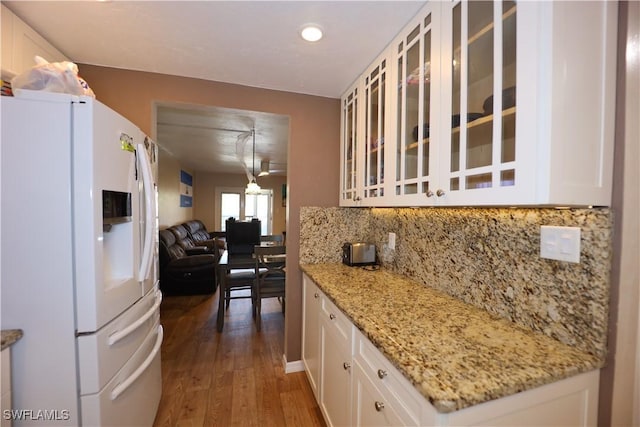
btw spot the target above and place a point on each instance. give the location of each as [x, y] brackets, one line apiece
[233, 202]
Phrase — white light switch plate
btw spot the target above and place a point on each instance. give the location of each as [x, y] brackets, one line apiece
[392, 240]
[561, 243]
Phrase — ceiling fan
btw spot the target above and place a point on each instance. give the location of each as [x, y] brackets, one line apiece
[266, 168]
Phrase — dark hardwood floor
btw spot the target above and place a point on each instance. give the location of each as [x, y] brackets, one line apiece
[233, 378]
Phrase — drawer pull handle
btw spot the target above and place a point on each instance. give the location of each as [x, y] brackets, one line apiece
[429, 193]
[440, 193]
[379, 406]
[382, 373]
[346, 365]
[332, 316]
[118, 335]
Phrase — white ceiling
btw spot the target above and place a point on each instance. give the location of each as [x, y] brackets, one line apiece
[202, 125]
[252, 43]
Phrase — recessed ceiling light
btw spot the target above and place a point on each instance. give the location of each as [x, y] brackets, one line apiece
[311, 32]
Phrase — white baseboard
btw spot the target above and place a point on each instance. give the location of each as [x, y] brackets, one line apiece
[289, 367]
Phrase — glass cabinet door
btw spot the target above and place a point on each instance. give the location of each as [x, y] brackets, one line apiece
[483, 101]
[349, 145]
[415, 98]
[375, 98]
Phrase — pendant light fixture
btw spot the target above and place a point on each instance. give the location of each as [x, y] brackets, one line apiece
[252, 186]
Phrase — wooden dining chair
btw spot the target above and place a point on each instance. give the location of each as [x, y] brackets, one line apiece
[270, 277]
[237, 280]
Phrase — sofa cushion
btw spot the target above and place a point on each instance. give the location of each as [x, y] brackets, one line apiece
[197, 230]
[173, 250]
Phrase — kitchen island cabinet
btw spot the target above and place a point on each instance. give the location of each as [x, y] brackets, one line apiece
[421, 357]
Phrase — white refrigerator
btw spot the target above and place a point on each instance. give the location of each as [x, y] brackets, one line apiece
[79, 262]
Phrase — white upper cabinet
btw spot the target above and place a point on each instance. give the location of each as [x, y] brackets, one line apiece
[415, 106]
[350, 187]
[495, 103]
[364, 128]
[375, 98]
[20, 44]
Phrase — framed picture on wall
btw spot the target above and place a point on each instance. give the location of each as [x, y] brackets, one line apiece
[186, 190]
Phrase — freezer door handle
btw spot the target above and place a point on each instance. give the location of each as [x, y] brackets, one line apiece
[147, 182]
[120, 388]
[118, 335]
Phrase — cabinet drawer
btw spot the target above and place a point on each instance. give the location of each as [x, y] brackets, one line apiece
[132, 396]
[331, 315]
[400, 393]
[103, 353]
[371, 406]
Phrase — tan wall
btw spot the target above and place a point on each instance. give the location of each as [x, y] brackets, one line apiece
[169, 210]
[313, 154]
[204, 194]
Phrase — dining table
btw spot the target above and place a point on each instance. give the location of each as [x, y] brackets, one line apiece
[236, 261]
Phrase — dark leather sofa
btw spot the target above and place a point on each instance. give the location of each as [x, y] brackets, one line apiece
[187, 260]
[199, 234]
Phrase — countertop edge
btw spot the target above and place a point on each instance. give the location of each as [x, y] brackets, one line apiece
[10, 337]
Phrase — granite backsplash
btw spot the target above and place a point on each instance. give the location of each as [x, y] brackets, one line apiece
[486, 257]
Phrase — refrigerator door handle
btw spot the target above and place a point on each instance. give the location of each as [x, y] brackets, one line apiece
[118, 335]
[120, 388]
[147, 181]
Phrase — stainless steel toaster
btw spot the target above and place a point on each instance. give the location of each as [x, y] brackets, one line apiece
[359, 253]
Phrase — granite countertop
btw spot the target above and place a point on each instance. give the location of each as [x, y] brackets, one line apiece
[456, 355]
[10, 336]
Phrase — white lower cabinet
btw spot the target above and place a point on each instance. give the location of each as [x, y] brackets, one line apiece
[569, 402]
[382, 395]
[311, 333]
[371, 407]
[356, 385]
[336, 347]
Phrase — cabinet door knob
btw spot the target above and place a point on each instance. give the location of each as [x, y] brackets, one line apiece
[429, 193]
[346, 365]
[316, 295]
[382, 373]
[379, 406]
[440, 193]
[332, 316]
